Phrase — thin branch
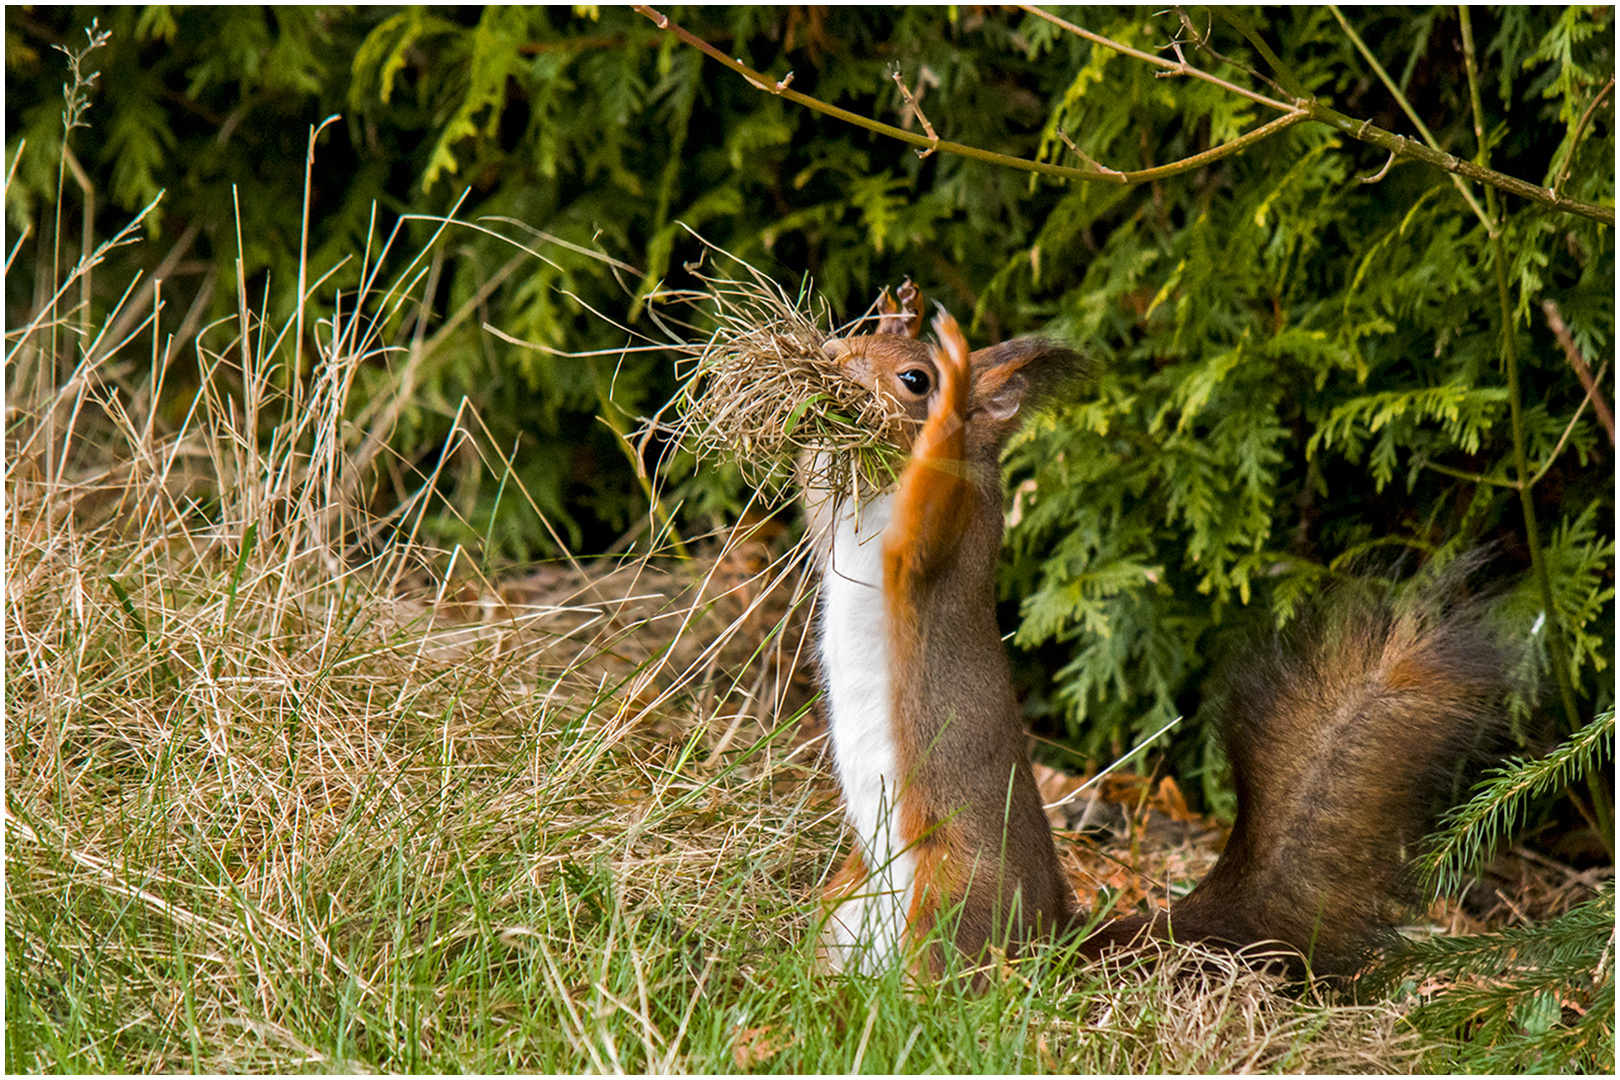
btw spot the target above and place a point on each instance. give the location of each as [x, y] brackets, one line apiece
[1202, 42]
[780, 89]
[916, 110]
[1569, 428]
[1538, 555]
[1363, 131]
[1082, 155]
[1187, 164]
[1555, 320]
[1521, 467]
[1406, 107]
[1291, 84]
[1366, 132]
[1481, 152]
[1170, 67]
[1471, 477]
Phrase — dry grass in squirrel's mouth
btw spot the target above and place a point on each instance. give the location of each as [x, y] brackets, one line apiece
[762, 393]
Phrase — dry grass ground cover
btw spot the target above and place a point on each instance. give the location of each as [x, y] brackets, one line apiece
[288, 790]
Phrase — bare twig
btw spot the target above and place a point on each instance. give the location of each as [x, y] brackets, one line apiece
[1202, 42]
[1196, 161]
[1406, 107]
[1569, 428]
[1555, 320]
[1369, 133]
[781, 89]
[1083, 156]
[1481, 152]
[763, 82]
[1538, 556]
[1181, 68]
[916, 110]
[1381, 173]
[1471, 477]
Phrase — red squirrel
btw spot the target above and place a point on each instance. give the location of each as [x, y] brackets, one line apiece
[1335, 735]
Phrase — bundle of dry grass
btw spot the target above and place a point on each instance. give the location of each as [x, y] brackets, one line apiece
[760, 391]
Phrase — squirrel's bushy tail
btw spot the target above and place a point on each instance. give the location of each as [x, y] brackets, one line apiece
[1347, 734]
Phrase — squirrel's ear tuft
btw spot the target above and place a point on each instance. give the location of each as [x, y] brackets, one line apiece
[903, 316]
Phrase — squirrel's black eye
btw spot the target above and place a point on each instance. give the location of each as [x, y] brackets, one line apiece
[916, 380]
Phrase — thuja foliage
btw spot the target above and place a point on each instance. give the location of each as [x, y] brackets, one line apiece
[1301, 372]
[1304, 372]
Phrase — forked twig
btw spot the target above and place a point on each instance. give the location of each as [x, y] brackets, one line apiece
[916, 110]
[1083, 156]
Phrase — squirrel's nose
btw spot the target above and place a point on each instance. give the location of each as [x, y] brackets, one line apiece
[852, 363]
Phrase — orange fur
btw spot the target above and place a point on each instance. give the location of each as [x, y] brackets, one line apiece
[847, 882]
[935, 495]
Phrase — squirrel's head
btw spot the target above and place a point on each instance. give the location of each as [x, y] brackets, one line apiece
[1009, 379]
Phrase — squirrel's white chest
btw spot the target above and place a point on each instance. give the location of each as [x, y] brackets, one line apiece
[855, 664]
